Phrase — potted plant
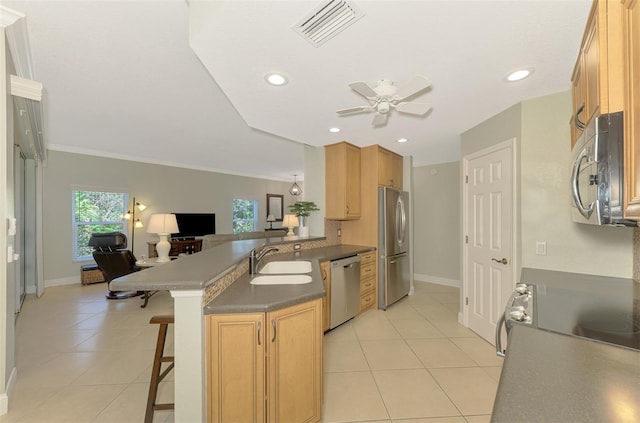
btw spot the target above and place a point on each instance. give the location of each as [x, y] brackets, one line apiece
[303, 209]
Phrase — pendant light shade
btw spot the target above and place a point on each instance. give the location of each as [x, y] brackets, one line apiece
[295, 188]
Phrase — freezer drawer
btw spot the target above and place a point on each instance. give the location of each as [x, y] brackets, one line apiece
[395, 281]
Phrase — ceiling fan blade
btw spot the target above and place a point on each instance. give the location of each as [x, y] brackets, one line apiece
[417, 84]
[380, 119]
[413, 108]
[363, 89]
[354, 110]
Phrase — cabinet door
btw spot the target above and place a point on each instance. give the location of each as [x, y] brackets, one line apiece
[397, 169]
[631, 24]
[352, 210]
[385, 166]
[325, 269]
[591, 54]
[578, 88]
[295, 363]
[235, 367]
[342, 181]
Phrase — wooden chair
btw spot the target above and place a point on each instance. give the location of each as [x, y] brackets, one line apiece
[156, 374]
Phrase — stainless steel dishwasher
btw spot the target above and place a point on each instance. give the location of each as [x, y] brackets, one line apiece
[345, 290]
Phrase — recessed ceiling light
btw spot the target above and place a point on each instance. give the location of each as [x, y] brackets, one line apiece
[519, 74]
[276, 79]
[334, 129]
[402, 140]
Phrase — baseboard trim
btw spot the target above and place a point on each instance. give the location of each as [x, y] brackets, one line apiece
[437, 280]
[4, 398]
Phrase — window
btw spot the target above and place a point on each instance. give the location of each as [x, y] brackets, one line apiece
[245, 215]
[95, 211]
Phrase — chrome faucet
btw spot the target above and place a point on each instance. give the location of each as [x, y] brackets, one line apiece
[254, 259]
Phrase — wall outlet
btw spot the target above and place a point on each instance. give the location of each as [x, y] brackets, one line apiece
[339, 232]
[296, 247]
[541, 248]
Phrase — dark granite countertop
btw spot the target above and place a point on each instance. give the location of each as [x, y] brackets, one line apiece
[196, 271]
[549, 377]
[242, 297]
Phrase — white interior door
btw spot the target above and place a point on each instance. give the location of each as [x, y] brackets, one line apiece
[489, 236]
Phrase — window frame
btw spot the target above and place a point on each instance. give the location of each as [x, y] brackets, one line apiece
[75, 225]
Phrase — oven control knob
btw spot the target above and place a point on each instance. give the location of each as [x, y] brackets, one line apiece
[517, 313]
[522, 288]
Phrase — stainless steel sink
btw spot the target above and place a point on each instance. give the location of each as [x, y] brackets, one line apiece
[286, 267]
[281, 279]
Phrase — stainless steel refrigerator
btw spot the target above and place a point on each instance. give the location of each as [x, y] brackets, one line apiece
[394, 280]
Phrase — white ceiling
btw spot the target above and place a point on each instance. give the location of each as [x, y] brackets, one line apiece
[121, 79]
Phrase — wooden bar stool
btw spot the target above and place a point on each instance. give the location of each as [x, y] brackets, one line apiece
[156, 375]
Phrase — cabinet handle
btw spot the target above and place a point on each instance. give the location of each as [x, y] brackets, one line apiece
[273, 323]
[259, 326]
[576, 119]
[347, 209]
[324, 274]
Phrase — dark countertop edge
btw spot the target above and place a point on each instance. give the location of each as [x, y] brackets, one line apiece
[536, 371]
[239, 298]
[197, 271]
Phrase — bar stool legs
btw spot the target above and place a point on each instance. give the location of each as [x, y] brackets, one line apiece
[156, 374]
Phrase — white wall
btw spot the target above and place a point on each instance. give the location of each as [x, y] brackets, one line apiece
[160, 188]
[545, 200]
[541, 129]
[313, 189]
[436, 200]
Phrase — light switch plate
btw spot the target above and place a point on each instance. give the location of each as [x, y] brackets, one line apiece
[541, 248]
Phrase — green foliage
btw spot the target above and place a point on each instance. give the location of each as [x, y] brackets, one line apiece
[303, 208]
[244, 215]
[96, 211]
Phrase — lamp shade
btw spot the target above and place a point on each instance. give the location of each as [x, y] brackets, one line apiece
[290, 221]
[163, 224]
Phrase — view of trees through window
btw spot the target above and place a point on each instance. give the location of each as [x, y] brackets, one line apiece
[95, 211]
[245, 215]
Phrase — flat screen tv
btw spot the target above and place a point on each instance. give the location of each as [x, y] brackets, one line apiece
[192, 225]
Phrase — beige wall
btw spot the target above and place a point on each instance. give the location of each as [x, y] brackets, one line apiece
[541, 129]
[545, 201]
[436, 218]
[161, 188]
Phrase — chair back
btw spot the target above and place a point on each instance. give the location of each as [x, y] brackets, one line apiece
[111, 255]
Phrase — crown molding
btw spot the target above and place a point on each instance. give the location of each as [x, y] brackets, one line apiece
[15, 26]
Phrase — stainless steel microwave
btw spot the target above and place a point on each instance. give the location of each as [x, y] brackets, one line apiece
[597, 173]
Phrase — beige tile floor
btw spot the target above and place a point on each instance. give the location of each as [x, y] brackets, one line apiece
[82, 358]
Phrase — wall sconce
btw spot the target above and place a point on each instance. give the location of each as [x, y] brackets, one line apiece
[290, 221]
[137, 223]
[295, 189]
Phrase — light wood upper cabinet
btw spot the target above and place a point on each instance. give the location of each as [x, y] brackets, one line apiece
[342, 181]
[597, 79]
[631, 31]
[265, 366]
[389, 169]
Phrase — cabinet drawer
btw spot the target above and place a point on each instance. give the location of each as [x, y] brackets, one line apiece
[367, 285]
[367, 301]
[367, 258]
[367, 271]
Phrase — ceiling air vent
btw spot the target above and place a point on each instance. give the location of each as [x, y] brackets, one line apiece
[327, 20]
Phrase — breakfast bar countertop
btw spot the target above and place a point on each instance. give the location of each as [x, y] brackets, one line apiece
[243, 297]
[550, 377]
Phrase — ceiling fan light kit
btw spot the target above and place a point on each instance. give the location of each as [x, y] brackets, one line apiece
[386, 96]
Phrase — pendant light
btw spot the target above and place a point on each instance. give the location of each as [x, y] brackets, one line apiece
[295, 188]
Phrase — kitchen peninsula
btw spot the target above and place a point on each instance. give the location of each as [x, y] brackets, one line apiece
[216, 281]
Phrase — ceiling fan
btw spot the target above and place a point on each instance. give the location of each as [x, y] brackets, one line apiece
[386, 96]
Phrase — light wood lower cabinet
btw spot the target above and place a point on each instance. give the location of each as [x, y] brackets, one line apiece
[265, 367]
[325, 269]
[368, 281]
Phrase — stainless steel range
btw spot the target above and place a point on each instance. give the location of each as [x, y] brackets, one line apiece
[600, 308]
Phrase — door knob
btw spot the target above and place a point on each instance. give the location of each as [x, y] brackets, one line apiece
[503, 261]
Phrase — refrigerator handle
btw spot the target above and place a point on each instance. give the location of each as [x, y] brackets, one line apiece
[400, 221]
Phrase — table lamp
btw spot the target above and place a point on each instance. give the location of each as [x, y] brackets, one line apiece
[290, 221]
[271, 218]
[163, 225]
